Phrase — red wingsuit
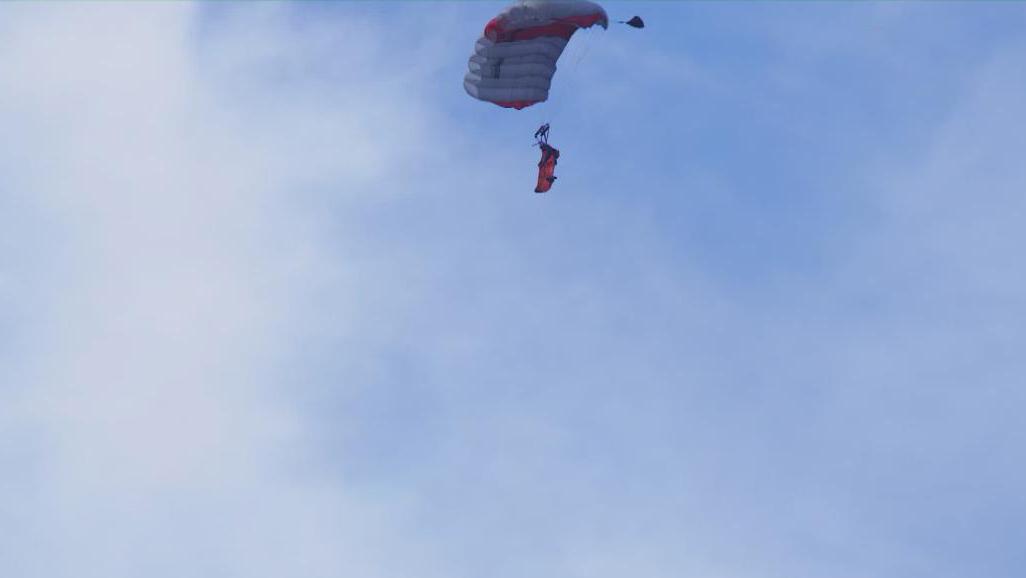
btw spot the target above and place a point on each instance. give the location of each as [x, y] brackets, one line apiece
[546, 167]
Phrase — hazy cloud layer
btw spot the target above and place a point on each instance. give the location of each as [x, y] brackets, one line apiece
[278, 301]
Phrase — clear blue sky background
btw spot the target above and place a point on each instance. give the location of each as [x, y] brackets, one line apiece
[276, 298]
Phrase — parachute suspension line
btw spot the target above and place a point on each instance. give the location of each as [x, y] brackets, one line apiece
[571, 75]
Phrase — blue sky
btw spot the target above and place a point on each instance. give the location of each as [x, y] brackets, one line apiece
[276, 297]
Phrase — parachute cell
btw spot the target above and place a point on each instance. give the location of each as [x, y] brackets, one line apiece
[515, 59]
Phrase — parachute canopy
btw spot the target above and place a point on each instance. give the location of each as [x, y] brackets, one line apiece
[515, 59]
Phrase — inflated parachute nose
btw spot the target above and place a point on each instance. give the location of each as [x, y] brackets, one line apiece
[515, 58]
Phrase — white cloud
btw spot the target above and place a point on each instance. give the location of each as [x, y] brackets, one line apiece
[162, 179]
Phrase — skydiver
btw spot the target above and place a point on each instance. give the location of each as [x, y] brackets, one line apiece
[542, 134]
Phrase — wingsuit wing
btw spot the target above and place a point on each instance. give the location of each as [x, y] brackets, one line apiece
[547, 168]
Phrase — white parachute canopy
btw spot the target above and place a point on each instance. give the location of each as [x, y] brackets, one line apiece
[515, 59]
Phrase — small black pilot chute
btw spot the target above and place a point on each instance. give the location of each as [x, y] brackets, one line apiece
[635, 22]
